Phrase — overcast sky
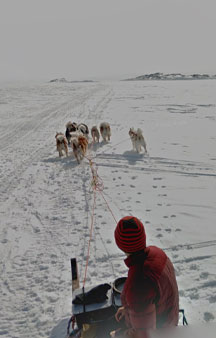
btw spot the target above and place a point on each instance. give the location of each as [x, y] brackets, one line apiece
[83, 39]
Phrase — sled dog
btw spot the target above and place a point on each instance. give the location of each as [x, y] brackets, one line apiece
[105, 131]
[70, 127]
[83, 128]
[61, 144]
[95, 134]
[79, 145]
[137, 140]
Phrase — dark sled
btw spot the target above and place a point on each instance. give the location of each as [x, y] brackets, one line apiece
[94, 308]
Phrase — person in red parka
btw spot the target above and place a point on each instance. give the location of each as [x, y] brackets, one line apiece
[150, 298]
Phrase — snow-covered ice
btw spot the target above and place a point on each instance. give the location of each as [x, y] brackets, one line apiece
[47, 201]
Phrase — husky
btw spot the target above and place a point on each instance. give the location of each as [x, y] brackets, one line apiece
[105, 131]
[138, 140]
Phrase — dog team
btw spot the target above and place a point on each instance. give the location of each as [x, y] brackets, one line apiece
[77, 137]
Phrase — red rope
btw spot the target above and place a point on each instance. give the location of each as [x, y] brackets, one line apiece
[108, 206]
[97, 185]
[90, 238]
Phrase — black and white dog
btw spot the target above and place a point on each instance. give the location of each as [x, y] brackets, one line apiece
[70, 127]
[83, 128]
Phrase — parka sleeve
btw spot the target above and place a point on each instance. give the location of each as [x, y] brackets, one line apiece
[144, 320]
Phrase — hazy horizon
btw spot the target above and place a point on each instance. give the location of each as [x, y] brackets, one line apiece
[105, 40]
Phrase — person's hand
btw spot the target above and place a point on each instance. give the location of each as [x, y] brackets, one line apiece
[120, 314]
[115, 333]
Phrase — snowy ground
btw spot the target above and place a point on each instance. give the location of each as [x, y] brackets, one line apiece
[46, 202]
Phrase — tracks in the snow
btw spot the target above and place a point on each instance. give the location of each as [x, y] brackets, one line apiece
[139, 162]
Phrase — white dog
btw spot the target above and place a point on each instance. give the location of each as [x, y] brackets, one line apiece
[61, 144]
[105, 131]
[95, 134]
[137, 140]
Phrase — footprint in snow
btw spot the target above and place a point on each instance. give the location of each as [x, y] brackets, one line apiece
[208, 316]
[93, 274]
[181, 293]
[204, 275]
[212, 299]
[117, 265]
[194, 267]
[194, 295]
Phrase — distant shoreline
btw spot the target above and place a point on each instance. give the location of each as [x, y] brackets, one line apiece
[173, 76]
[63, 80]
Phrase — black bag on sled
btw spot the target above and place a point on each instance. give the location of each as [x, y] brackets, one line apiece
[98, 304]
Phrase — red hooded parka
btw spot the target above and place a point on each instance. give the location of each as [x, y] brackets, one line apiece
[150, 295]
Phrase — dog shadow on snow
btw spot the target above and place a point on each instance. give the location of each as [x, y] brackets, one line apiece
[70, 161]
[67, 162]
[132, 157]
[96, 146]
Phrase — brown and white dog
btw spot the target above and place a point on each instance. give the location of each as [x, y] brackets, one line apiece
[79, 144]
[95, 134]
[137, 140]
[105, 131]
[61, 144]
